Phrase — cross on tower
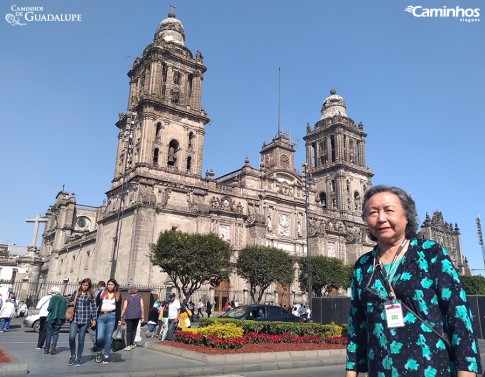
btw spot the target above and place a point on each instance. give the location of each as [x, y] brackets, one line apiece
[37, 220]
[172, 6]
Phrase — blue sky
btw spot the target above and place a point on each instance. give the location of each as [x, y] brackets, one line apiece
[417, 84]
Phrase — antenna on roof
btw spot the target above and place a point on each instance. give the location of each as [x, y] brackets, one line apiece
[279, 98]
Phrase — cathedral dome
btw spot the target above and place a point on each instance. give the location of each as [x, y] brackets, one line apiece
[170, 30]
[333, 105]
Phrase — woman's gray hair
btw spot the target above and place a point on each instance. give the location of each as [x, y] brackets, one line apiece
[407, 204]
[133, 290]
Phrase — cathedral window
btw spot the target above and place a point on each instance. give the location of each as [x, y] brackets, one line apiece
[323, 199]
[333, 148]
[314, 154]
[346, 152]
[352, 152]
[175, 95]
[191, 139]
[158, 129]
[333, 185]
[357, 201]
[155, 156]
[189, 163]
[173, 148]
[357, 154]
[189, 84]
[164, 72]
[176, 78]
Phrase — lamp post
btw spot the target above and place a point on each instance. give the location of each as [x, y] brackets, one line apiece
[65, 281]
[128, 139]
[308, 248]
[480, 237]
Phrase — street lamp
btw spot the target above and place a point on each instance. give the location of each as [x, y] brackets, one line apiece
[480, 237]
[308, 249]
[65, 281]
[128, 139]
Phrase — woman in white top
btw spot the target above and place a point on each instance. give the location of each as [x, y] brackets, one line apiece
[6, 313]
[43, 304]
[109, 313]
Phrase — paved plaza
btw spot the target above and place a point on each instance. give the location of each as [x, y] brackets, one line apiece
[145, 360]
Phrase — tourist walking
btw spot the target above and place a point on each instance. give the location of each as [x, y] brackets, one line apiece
[92, 331]
[163, 321]
[6, 313]
[200, 306]
[308, 314]
[208, 309]
[42, 305]
[184, 316]
[152, 320]
[84, 316]
[302, 312]
[108, 303]
[173, 315]
[55, 319]
[133, 312]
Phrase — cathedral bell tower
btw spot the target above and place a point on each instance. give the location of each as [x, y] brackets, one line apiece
[335, 154]
[163, 131]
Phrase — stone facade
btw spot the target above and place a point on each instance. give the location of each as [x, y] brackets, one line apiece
[448, 236]
[158, 184]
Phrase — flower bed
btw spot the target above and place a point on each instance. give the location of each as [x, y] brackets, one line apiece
[254, 347]
[214, 341]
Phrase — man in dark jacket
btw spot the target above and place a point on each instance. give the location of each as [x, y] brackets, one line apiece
[55, 319]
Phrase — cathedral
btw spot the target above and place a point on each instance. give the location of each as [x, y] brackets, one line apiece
[158, 184]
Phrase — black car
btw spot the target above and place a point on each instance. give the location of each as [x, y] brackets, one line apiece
[261, 313]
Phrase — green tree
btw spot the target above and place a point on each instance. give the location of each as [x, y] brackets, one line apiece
[192, 259]
[474, 285]
[327, 274]
[262, 266]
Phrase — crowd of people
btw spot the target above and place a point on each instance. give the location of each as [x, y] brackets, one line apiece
[98, 311]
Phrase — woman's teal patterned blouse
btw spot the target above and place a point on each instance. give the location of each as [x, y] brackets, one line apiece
[428, 283]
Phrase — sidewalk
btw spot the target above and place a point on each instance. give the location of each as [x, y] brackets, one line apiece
[150, 359]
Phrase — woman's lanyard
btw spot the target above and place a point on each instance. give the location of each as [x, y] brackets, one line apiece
[392, 269]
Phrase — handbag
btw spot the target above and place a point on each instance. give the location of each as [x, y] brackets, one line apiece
[70, 311]
[118, 333]
[118, 342]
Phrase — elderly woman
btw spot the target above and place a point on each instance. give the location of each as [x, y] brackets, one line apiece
[409, 313]
[133, 312]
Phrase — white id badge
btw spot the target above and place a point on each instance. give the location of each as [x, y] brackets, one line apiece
[394, 314]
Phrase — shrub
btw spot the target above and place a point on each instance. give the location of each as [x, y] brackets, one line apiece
[264, 327]
[221, 330]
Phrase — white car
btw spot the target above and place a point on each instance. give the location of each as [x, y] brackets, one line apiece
[33, 321]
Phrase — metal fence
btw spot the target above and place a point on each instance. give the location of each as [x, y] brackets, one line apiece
[31, 293]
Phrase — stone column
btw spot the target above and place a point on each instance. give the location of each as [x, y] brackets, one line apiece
[31, 279]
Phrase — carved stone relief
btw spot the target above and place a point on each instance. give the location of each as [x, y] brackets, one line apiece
[284, 226]
[225, 232]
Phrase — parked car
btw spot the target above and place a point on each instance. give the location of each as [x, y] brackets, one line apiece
[33, 321]
[261, 313]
